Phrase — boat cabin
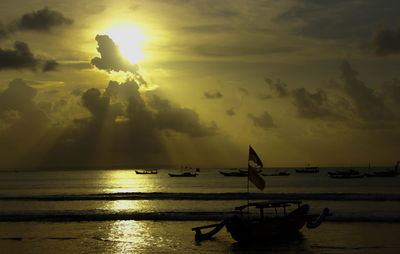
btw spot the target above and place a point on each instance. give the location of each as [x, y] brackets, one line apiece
[269, 204]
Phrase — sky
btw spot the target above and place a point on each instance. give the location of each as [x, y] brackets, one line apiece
[120, 84]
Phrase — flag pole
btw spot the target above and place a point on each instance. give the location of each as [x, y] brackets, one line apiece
[248, 188]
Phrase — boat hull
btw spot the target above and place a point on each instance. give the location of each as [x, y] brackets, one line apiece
[183, 175]
[243, 230]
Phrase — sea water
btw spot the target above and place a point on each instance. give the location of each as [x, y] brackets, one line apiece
[118, 211]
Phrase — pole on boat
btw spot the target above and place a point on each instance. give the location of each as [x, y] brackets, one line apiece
[248, 194]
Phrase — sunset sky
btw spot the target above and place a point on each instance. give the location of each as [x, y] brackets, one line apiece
[156, 83]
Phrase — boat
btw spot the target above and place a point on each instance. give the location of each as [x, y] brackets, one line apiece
[234, 173]
[281, 173]
[184, 174]
[263, 229]
[311, 170]
[345, 174]
[244, 227]
[146, 171]
[387, 173]
[237, 172]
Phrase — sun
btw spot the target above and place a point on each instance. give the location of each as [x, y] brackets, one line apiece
[130, 41]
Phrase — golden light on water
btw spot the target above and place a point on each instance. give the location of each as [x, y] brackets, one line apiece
[130, 40]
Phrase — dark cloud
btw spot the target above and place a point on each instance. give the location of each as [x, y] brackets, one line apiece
[264, 121]
[3, 32]
[231, 112]
[339, 19]
[21, 57]
[50, 65]
[22, 123]
[386, 41]
[279, 87]
[368, 104]
[349, 101]
[111, 58]
[18, 96]
[42, 20]
[184, 120]
[213, 94]
[95, 103]
[311, 105]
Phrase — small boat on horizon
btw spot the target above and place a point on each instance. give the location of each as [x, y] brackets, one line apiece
[387, 173]
[234, 173]
[311, 170]
[345, 174]
[146, 171]
[184, 174]
[281, 173]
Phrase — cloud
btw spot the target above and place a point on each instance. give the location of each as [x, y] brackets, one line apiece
[111, 58]
[338, 19]
[386, 41]
[19, 58]
[368, 104]
[231, 112]
[95, 103]
[312, 105]
[50, 65]
[264, 121]
[184, 120]
[309, 105]
[279, 87]
[3, 32]
[349, 101]
[18, 96]
[213, 94]
[42, 20]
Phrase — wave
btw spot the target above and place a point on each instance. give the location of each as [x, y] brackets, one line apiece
[210, 196]
[106, 215]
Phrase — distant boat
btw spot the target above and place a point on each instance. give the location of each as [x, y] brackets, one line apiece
[281, 173]
[345, 174]
[184, 174]
[387, 173]
[311, 170]
[235, 173]
[146, 171]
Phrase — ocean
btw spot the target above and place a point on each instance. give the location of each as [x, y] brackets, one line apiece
[118, 211]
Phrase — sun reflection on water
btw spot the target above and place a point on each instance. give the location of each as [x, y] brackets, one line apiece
[123, 181]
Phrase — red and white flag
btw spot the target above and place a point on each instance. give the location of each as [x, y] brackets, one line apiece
[255, 162]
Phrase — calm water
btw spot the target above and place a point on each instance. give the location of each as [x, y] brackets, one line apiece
[117, 211]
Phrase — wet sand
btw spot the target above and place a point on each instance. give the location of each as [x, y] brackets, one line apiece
[176, 237]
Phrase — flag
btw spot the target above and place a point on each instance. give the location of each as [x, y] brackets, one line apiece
[253, 163]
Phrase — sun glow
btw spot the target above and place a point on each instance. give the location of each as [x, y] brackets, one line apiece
[130, 41]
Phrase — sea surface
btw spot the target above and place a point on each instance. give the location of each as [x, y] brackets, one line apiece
[119, 211]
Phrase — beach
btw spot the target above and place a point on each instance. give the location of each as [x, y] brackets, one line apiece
[118, 211]
[131, 236]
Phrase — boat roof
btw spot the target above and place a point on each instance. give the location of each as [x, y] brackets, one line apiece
[269, 204]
